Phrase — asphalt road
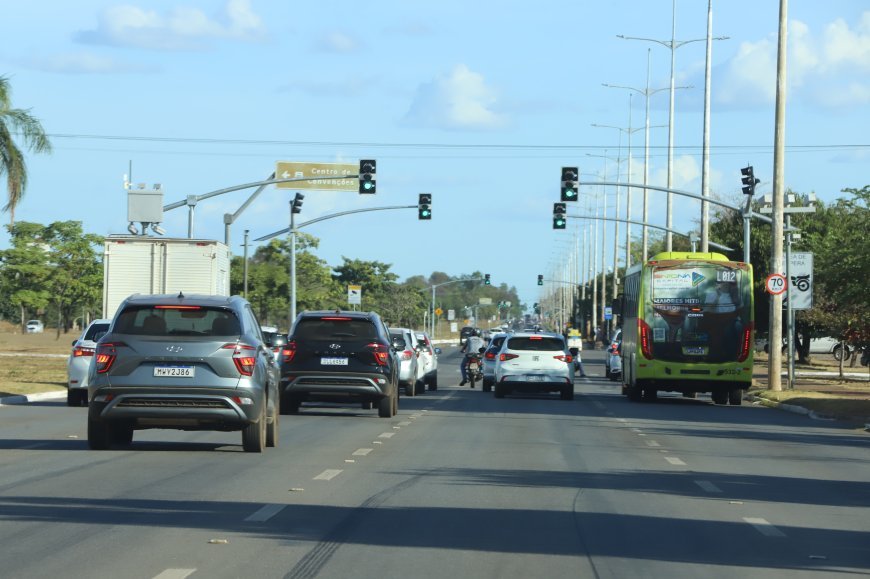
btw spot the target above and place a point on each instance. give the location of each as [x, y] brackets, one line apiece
[458, 484]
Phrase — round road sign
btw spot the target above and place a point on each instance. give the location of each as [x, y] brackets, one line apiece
[775, 283]
[438, 311]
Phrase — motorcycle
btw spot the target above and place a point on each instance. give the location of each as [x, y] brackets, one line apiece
[474, 368]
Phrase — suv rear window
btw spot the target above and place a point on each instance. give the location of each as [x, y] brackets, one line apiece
[536, 344]
[170, 321]
[336, 329]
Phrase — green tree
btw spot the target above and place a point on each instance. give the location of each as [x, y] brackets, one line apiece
[26, 269]
[12, 162]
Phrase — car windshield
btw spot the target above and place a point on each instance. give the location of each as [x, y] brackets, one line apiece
[334, 328]
[174, 321]
[536, 343]
[96, 331]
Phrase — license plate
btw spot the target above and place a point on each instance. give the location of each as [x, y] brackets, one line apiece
[699, 351]
[333, 361]
[174, 371]
[534, 378]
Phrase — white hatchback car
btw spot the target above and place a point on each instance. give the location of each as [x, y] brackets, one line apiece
[34, 326]
[534, 362]
[80, 359]
[409, 367]
[427, 360]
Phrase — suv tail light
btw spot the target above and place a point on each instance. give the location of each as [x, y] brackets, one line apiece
[746, 341]
[489, 355]
[288, 352]
[106, 354]
[80, 351]
[506, 357]
[241, 358]
[565, 358]
[381, 353]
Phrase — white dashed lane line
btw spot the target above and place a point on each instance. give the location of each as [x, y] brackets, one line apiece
[175, 574]
[675, 461]
[764, 527]
[386, 435]
[265, 513]
[362, 451]
[708, 486]
[329, 474]
[652, 443]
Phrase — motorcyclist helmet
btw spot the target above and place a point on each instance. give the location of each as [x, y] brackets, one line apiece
[475, 332]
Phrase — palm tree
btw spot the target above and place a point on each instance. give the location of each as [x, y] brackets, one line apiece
[17, 122]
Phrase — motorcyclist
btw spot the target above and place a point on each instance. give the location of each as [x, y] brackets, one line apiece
[472, 346]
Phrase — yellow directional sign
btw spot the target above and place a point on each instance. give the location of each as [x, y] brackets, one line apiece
[438, 311]
[293, 169]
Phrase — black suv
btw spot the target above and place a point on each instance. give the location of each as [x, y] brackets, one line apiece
[340, 356]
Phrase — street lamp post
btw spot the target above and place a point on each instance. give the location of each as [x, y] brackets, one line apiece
[672, 45]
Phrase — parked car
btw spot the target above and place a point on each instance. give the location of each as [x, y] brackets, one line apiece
[821, 345]
[341, 356]
[34, 327]
[80, 359]
[196, 362]
[410, 371]
[534, 362]
[428, 360]
[490, 358]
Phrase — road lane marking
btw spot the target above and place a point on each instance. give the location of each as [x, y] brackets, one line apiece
[652, 443]
[405, 423]
[764, 527]
[265, 513]
[362, 451]
[329, 474]
[708, 486]
[386, 435]
[675, 461]
[175, 574]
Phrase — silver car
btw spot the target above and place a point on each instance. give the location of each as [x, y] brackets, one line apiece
[184, 362]
[534, 362]
[409, 371]
[80, 359]
[428, 360]
[490, 356]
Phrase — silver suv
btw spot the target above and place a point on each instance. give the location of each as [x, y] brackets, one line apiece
[184, 362]
[410, 377]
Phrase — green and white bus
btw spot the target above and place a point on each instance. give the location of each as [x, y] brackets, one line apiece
[688, 326]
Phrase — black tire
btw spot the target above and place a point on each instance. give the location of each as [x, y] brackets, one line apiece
[735, 397]
[386, 406]
[613, 376]
[471, 379]
[410, 390]
[290, 405]
[719, 397]
[635, 393]
[487, 385]
[433, 382]
[420, 386]
[367, 405]
[273, 431]
[499, 391]
[121, 434]
[72, 398]
[650, 394]
[98, 435]
[254, 434]
[567, 393]
[839, 353]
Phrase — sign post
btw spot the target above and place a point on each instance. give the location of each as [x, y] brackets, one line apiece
[354, 295]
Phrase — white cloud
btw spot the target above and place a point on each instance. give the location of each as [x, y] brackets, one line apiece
[183, 28]
[830, 69]
[338, 42]
[82, 63]
[459, 100]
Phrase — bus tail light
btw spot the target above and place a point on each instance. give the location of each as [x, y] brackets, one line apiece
[746, 341]
[643, 332]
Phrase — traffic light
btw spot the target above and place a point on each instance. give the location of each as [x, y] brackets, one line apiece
[559, 219]
[486, 279]
[297, 203]
[749, 181]
[424, 206]
[540, 279]
[367, 169]
[570, 184]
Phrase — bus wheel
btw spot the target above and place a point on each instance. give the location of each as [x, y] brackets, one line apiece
[735, 397]
[634, 393]
[650, 394]
[719, 397]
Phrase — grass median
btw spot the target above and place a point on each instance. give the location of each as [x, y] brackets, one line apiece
[33, 363]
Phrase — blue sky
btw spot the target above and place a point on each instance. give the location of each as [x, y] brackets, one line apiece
[480, 106]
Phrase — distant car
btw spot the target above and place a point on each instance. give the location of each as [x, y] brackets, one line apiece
[277, 340]
[490, 358]
[34, 327]
[80, 359]
[534, 362]
[613, 355]
[615, 341]
[410, 377]
[194, 362]
[341, 356]
[428, 360]
[822, 345]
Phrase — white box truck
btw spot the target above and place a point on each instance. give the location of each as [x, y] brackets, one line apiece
[134, 264]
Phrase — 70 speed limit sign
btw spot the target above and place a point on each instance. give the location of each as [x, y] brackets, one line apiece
[775, 283]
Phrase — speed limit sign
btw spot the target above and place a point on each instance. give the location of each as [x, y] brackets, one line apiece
[775, 283]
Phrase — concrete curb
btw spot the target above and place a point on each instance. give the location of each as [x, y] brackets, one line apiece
[27, 398]
[794, 409]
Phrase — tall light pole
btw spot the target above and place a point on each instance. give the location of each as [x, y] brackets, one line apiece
[646, 93]
[672, 45]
